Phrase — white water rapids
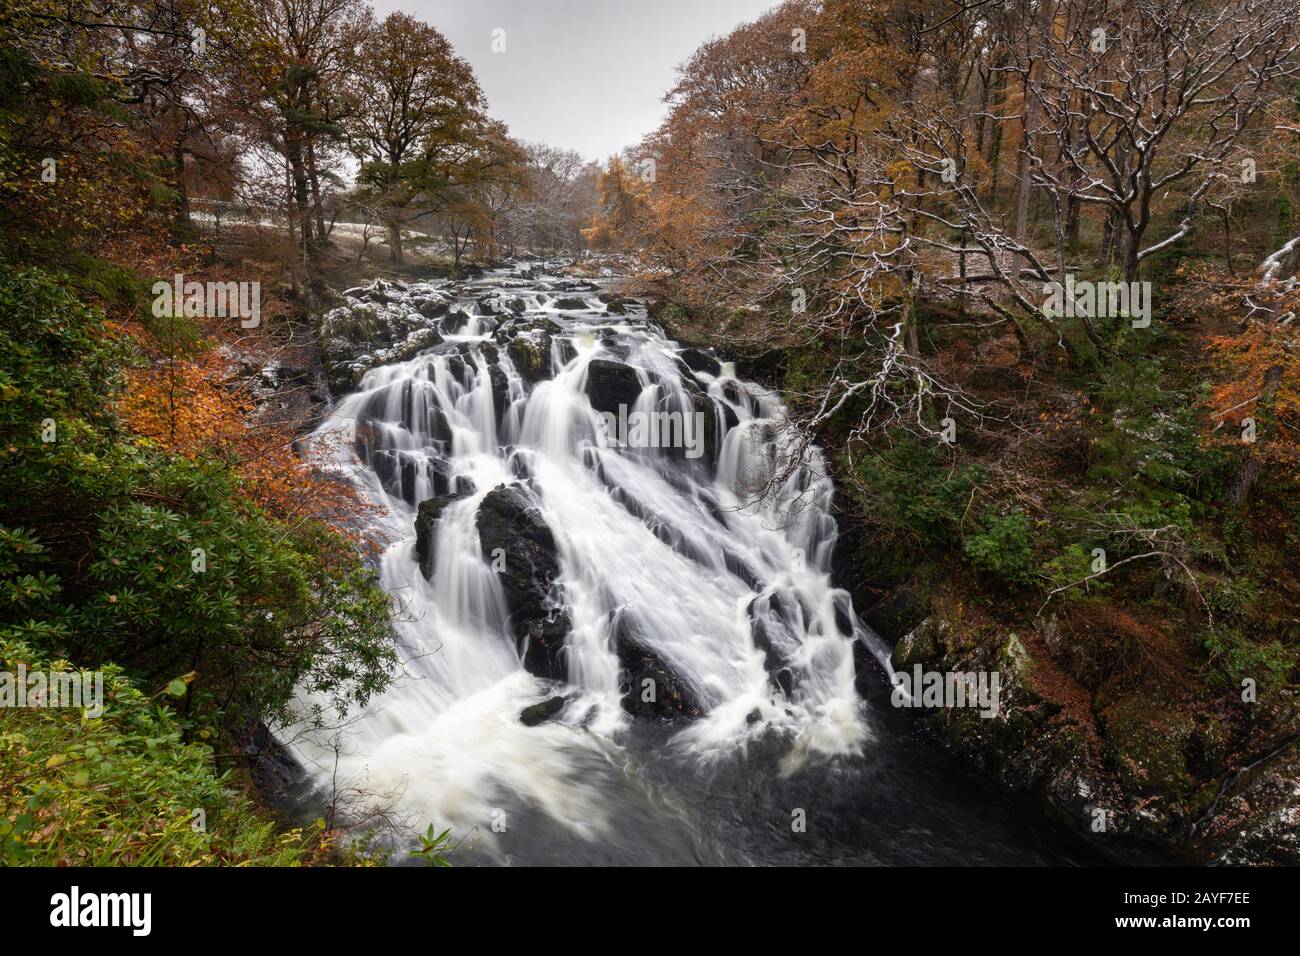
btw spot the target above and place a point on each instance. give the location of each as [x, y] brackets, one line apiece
[680, 546]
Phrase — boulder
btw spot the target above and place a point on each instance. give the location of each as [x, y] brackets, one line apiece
[531, 352]
[648, 685]
[431, 308]
[901, 610]
[541, 712]
[509, 520]
[697, 360]
[570, 303]
[427, 516]
[925, 644]
[769, 629]
[611, 384]
[500, 391]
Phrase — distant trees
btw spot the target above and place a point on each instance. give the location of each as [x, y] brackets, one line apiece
[120, 114]
[556, 202]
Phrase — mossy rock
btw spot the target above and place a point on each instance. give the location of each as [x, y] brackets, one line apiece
[1147, 745]
[531, 352]
[925, 644]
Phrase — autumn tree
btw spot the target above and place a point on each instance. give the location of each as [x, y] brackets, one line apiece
[620, 208]
[283, 63]
[419, 120]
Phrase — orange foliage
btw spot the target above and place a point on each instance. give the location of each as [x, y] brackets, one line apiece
[1262, 382]
[191, 407]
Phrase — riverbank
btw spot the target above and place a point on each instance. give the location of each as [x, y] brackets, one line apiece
[1154, 731]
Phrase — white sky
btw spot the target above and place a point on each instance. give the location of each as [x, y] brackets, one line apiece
[584, 74]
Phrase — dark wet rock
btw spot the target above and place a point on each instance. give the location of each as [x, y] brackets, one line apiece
[541, 712]
[617, 305]
[1254, 820]
[570, 304]
[520, 462]
[431, 308]
[414, 343]
[459, 369]
[898, 612]
[697, 360]
[769, 623]
[703, 410]
[925, 644]
[427, 517]
[649, 686]
[444, 481]
[500, 391]
[400, 472]
[739, 567]
[706, 410]
[455, 320]
[611, 384]
[515, 536]
[618, 349]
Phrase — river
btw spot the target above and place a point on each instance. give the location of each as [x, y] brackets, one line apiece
[710, 695]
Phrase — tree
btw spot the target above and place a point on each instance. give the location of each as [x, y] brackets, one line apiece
[280, 60]
[557, 199]
[419, 119]
[620, 209]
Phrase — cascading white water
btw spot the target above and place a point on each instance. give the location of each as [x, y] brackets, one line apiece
[729, 589]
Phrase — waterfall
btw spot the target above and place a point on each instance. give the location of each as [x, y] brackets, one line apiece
[675, 577]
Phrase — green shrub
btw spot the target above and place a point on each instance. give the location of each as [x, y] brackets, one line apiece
[1235, 658]
[120, 788]
[1001, 546]
[910, 489]
[114, 550]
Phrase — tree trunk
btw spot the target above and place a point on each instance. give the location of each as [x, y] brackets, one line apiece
[395, 242]
[316, 204]
[1227, 241]
[293, 238]
[1026, 145]
[183, 221]
[298, 173]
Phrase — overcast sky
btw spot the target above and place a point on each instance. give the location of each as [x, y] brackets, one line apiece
[586, 74]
